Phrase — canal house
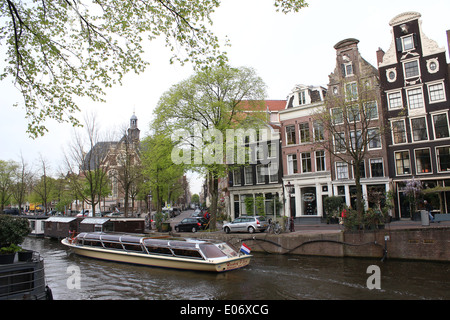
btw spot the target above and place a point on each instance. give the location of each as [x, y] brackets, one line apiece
[256, 186]
[306, 164]
[356, 127]
[415, 83]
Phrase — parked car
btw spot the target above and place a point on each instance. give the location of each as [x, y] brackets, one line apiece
[84, 213]
[12, 211]
[176, 211]
[114, 214]
[247, 224]
[191, 224]
[197, 214]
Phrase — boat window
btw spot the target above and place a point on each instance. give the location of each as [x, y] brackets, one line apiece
[156, 243]
[132, 247]
[93, 237]
[159, 250]
[211, 251]
[112, 245]
[130, 239]
[112, 238]
[225, 248]
[93, 243]
[182, 244]
[187, 253]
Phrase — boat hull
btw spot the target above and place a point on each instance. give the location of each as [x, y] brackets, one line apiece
[159, 260]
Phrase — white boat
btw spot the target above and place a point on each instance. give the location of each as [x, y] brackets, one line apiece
[178, 253]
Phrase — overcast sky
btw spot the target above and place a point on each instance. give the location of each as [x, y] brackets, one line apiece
[285, 50]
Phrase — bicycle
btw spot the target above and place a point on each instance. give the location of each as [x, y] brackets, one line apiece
[274, 227]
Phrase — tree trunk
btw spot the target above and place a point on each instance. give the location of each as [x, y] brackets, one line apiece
[214, 193]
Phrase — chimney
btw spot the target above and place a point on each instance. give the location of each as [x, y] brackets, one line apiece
[380, 55]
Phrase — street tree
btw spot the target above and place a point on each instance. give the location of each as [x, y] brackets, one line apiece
[7, 169]
[23, 178]
[161, 175]
[87, 165]
[57, 51]
[200, 111]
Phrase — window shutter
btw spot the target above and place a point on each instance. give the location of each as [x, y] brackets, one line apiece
[415, 40]
[399, 44]
[343, 69]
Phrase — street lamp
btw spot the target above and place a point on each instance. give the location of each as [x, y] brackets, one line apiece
[290, 190]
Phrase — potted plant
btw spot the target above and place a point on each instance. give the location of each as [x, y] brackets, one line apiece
[333, 207]
[13, 230]
[161, 221]
[7, 254]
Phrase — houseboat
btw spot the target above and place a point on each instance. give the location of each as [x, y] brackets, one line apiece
[24, 279]
[178, 253]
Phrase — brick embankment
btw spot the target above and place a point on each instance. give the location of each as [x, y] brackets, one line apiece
[399, 240]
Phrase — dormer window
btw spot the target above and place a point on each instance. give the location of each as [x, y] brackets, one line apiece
[407, 43]
[302, 97]
[347, 69]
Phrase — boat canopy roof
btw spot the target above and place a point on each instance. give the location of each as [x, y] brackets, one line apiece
[149, 242]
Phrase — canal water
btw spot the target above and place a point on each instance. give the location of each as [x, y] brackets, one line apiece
[268, 277]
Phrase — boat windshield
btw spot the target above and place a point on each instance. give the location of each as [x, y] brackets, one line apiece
[220, 250]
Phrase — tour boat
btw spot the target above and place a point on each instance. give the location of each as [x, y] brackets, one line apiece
[178, 253]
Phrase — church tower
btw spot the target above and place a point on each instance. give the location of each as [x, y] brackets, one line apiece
[133, 131]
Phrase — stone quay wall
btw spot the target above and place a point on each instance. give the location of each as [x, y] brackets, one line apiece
[413, 244]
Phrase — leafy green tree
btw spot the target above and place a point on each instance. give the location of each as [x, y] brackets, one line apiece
[13, 230]
[162, 176]
[200, 111]
[60, 50]
[7, 169]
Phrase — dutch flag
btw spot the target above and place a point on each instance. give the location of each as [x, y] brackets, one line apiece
[245, 249]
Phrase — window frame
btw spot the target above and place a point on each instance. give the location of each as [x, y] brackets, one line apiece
[245, 175]
[422, 99]
[409, 36]
[389, 100]
[341, 164]
[290, 133]
[318, 131]
[371, 169]
[372, 139]
[304, 133]
[434, 125]
[292, 163]
[343, 145]
[259, 175]
[429, 158]
[336, 116]
[237, 173]
[404, 131]
[322, 160]
[403, 161]
[307, 160]
[429, 85]
[438, 162]
[411, 120]
[416, 61]
[368, 110]
[353, 94]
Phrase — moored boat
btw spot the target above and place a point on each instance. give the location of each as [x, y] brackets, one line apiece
[179, 253]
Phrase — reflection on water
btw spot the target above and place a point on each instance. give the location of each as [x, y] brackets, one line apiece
[268, 277]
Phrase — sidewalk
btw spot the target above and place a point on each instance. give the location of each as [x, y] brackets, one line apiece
[394, 225]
